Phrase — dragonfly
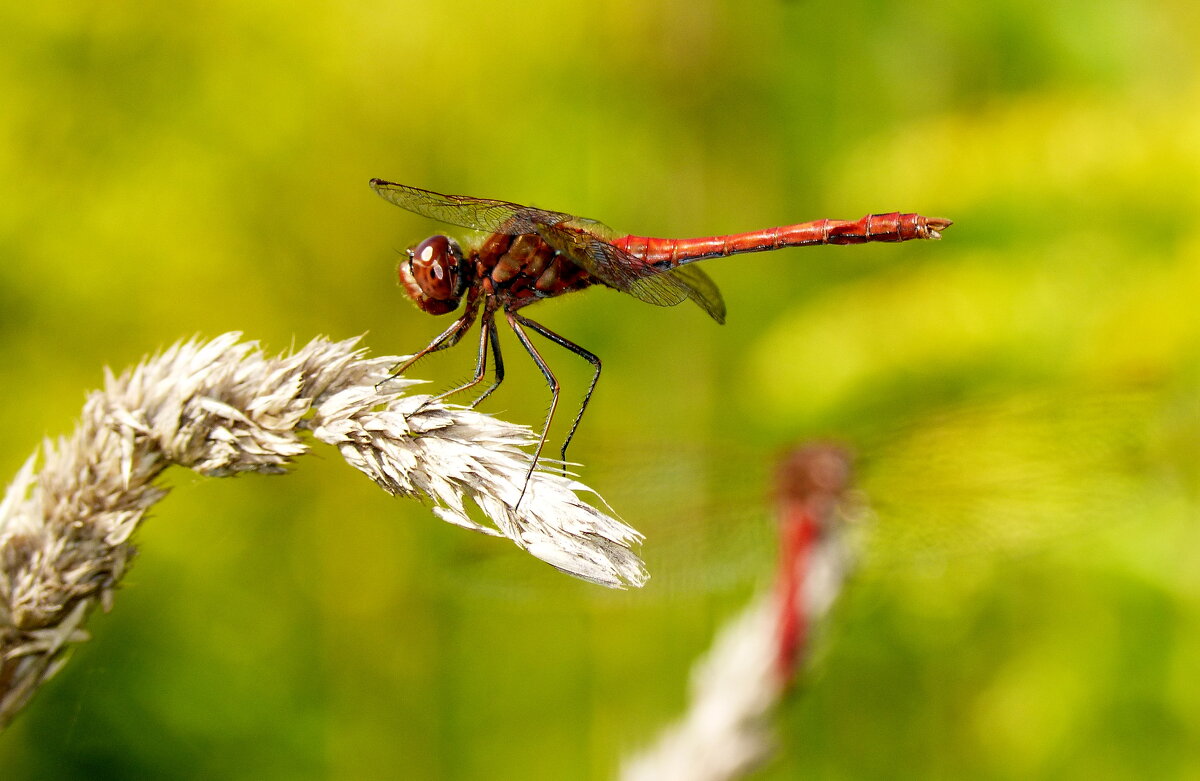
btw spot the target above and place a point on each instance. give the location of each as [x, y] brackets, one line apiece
[531, 254]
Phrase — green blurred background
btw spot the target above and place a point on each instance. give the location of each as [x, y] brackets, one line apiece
[1023, 394]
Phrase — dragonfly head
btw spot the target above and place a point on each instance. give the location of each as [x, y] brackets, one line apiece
[434, 275]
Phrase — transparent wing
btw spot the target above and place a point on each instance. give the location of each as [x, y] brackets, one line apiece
[481, 214]
[587, 242]
[701, 289]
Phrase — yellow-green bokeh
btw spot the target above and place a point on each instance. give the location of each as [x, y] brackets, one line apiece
[187, 168]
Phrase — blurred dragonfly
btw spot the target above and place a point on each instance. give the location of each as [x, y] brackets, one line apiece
[1009, 477]
[725, 733]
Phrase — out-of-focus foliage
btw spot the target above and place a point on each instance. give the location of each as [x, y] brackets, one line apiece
[189, 168]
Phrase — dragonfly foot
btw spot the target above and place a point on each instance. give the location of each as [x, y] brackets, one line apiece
[379, 386]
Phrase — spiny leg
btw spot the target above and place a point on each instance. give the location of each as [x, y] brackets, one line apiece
[448, 338]
[487, 333]
[514, 321]
[497, 359]
[582, 353]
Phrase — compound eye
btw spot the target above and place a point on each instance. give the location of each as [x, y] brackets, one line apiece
[435, 268]
[434, 275]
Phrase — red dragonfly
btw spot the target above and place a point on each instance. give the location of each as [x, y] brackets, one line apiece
[532, 254]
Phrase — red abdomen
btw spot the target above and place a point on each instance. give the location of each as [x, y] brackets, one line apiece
[873, 227]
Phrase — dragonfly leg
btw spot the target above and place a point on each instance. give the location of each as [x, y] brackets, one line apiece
[448, 338]
[497, 359]
[515, 321]
[487, 334]
[582, 353]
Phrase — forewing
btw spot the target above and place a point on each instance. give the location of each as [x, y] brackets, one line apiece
[481, 214]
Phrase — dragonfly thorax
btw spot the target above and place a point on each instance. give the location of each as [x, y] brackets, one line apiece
[435, 275]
